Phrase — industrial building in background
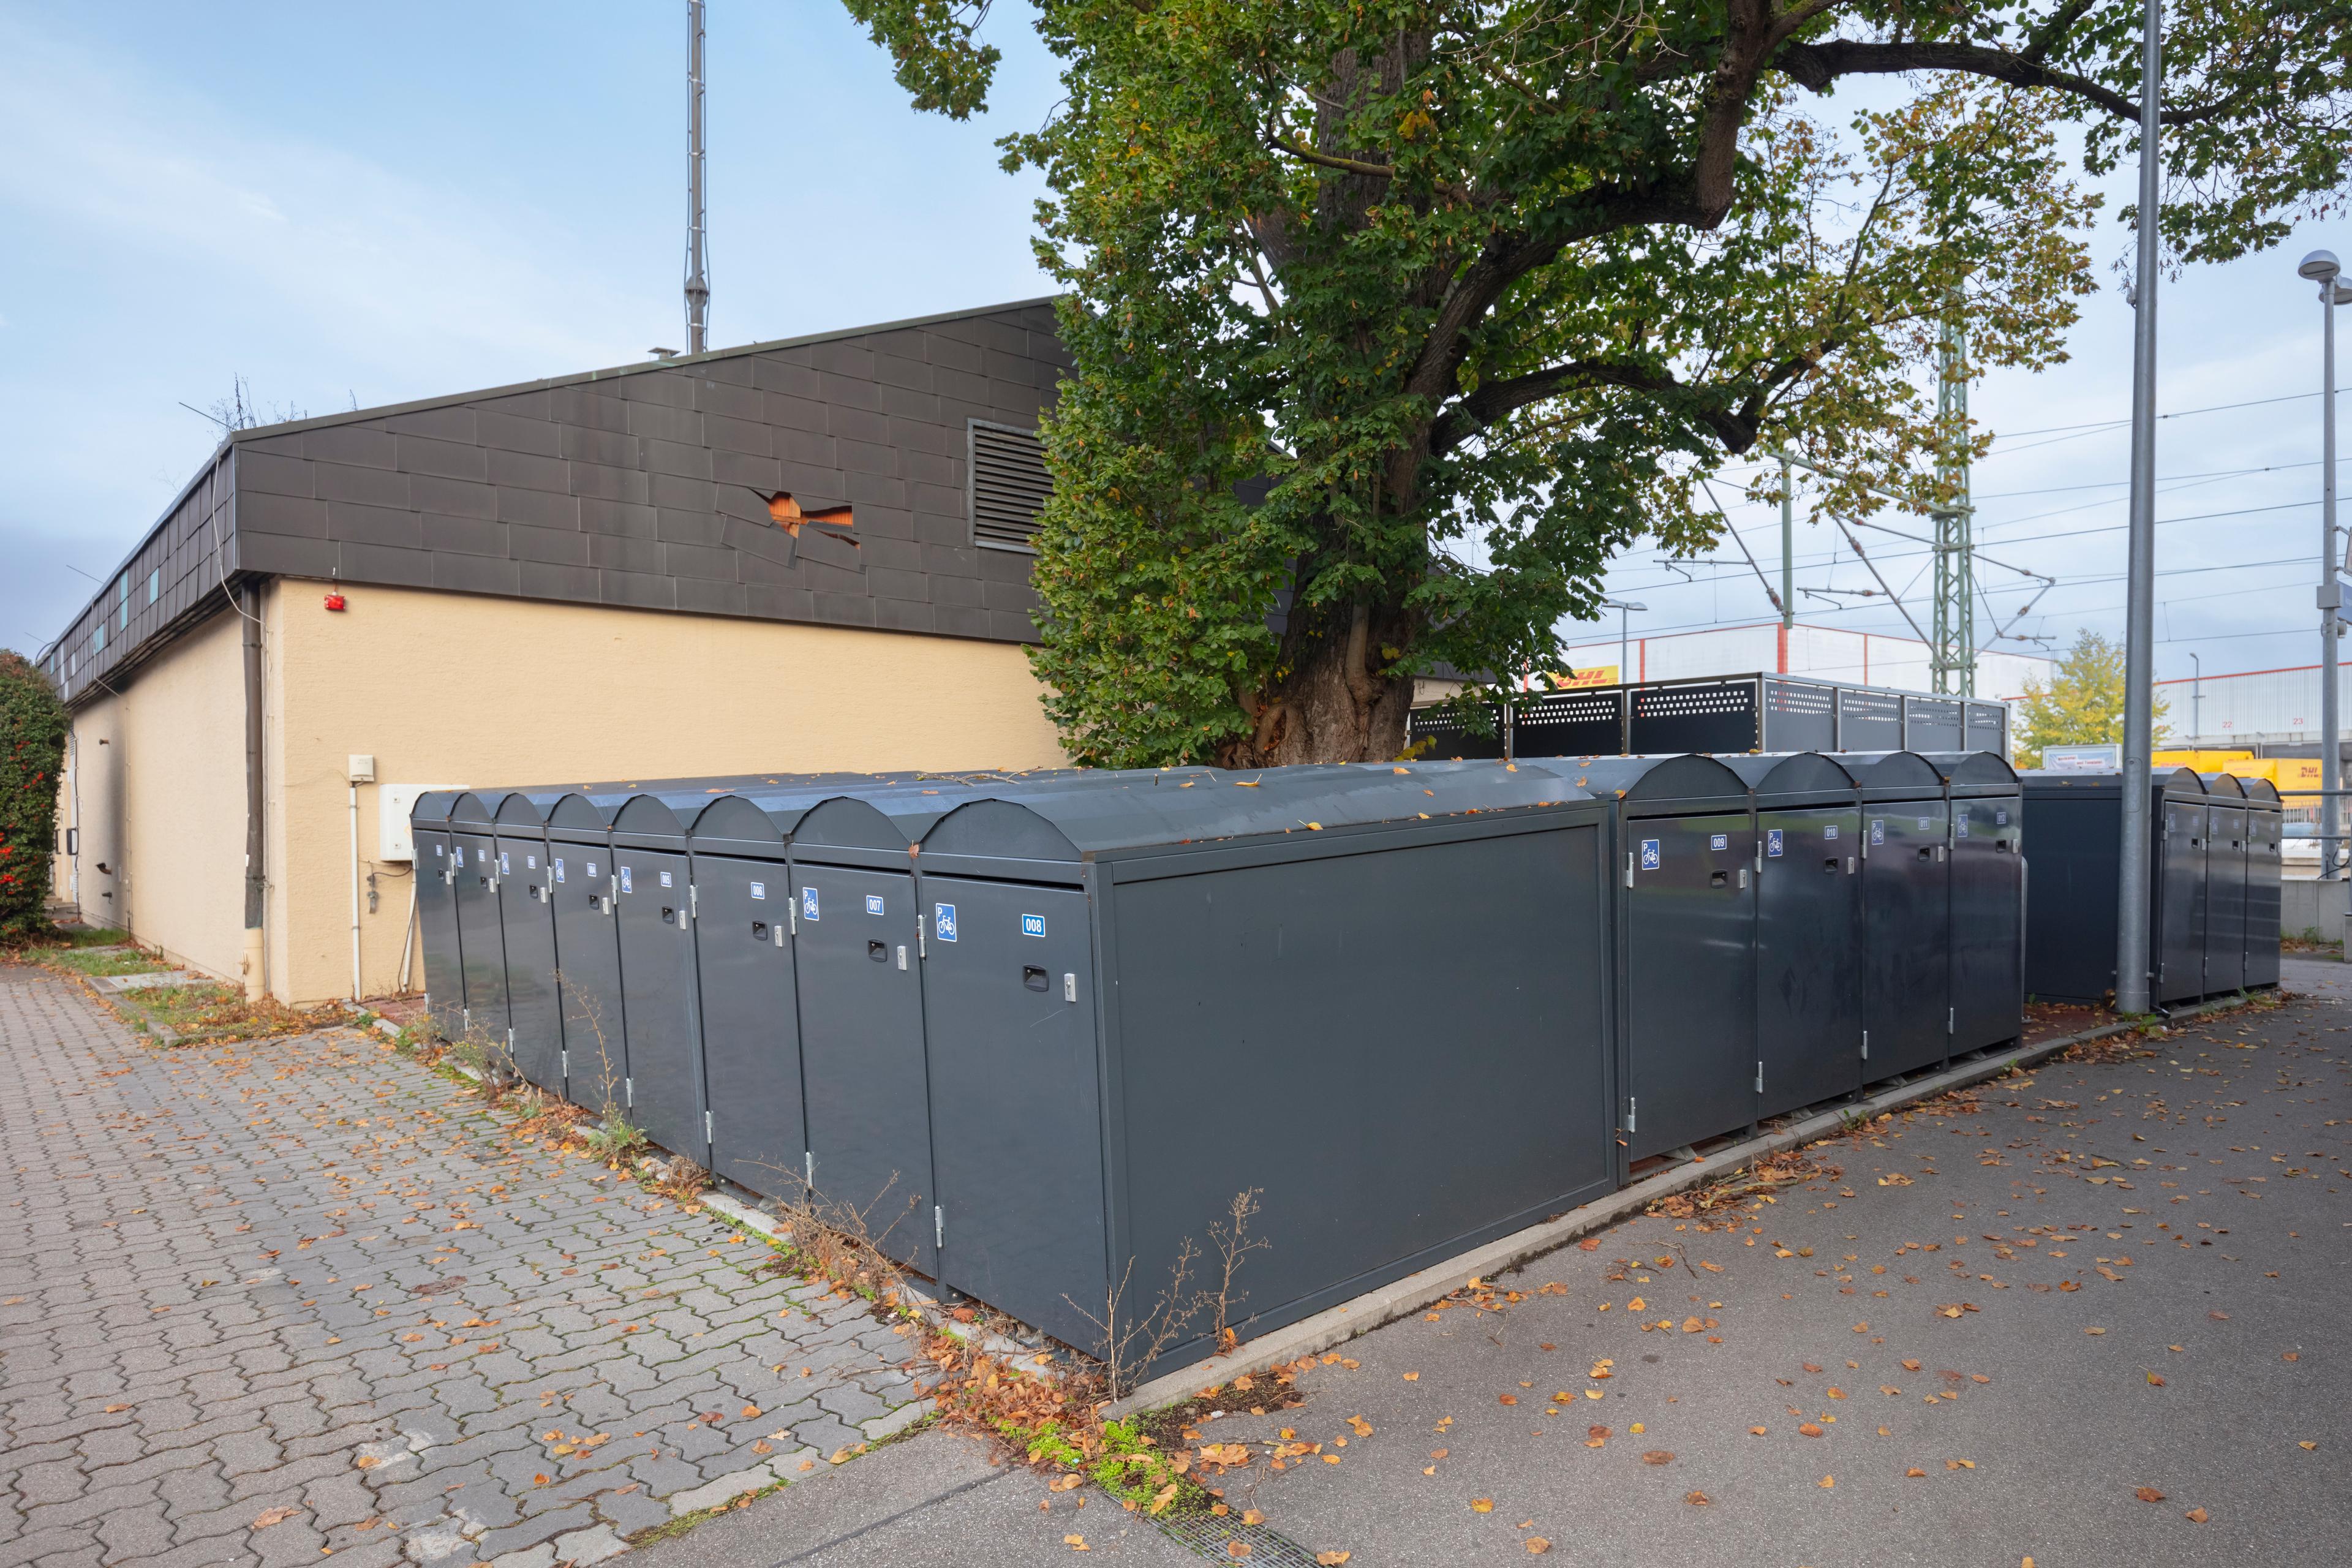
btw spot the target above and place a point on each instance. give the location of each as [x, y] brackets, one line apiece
[811, 554]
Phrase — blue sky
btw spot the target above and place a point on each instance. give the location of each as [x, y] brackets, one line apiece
[342, 203]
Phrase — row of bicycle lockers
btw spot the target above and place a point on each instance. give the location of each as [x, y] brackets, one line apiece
[1025, 1025]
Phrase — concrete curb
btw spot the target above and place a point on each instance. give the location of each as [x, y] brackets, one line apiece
[1336, 1325]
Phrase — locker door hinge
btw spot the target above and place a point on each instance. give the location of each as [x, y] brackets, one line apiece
[1759, 1077]
[1759, 857]
[1632, 1110]
[939, 1226]
[612, 895]
[793, 915]
[1865, 1045]
[921, 950]
[708, 1136]
[808, 1166]
[563, 1063]
[1951, 1020]
[465, 1017]
[629, 1091]
[1629, 868]
[509, 1042]
[693, 902]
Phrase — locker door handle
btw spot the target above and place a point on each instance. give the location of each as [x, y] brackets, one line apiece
[760, 931]
[669, 915]
[1830, 864]
[878, 952]
[1034, 977]
[1719, 879]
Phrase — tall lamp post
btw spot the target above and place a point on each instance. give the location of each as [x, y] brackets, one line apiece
[2132, 968]
[2321, 268]
[1621, 607]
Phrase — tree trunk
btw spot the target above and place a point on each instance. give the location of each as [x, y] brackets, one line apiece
[1335, 703]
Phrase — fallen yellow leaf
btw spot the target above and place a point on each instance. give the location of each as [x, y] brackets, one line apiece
[1333, 1559]
[1077, 1543]
[1826, 1482]
[1538, 1546]
[1482, 1505]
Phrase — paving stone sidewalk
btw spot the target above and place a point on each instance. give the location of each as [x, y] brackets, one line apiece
[271, 1302]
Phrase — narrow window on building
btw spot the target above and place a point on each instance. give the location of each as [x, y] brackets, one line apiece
[154, 585]
[1008, 485]
[122, 598]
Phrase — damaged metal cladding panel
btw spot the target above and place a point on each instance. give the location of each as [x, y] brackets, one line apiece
[1906, 914]
[588, 950]
[481, 945]
[534, 1038]
[436, 912]
[2177, 940]
[2227, 828]
[1686, 858]
[2263, 820]
[1987, 809]
[654, 915]
[1808, 930]
[1103, 967]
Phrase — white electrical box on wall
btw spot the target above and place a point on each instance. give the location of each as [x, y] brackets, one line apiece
[394, 802]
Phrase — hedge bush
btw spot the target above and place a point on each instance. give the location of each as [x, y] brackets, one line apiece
[32, 747]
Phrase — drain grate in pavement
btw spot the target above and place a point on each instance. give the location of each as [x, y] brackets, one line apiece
[1206, 1535]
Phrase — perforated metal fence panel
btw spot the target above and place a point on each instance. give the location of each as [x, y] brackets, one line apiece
[1987, 728]
[1450, 734]
[1800, 716]
[1808, 956]
[1934, 723]
[1569, 724]
[1869, 721]
[527, 921]
[1713, 716]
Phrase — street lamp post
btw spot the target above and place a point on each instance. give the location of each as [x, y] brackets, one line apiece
[2321, 268]
[1621, 607]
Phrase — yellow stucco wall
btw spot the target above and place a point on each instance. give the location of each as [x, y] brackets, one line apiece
[156, 786]
[443, 689]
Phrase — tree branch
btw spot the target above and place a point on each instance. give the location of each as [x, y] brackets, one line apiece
[1816, 66]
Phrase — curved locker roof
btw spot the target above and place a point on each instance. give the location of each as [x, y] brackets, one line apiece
[2223, 785]
[848, 822]
[433, 807]
[2261, 791]
[1972, 767]
[520, 810]
[2180, 781]
[478, 807]
[1787, 774]
[732, 819]
[1692, 776]
[1070, 825]
[1893, 770]
[571, 809]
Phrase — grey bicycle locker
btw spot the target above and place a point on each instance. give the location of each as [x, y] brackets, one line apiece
[2262, 865]
[588, 951]
[1906, 982]
[1988, 899]
[434, 869]
[2178, 948]
[1808, 930]
[481, 945]
[750, 1020]
[2228, 826]
[534, 1039]
[653, 916]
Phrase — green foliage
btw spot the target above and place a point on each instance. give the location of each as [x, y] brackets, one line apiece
[2082, 706]
[33, 727]
[1483, 293]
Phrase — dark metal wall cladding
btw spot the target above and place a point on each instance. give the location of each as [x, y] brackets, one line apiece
[1434, 1135]
[187, 556]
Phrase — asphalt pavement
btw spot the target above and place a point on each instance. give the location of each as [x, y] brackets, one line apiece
[2090, 1315]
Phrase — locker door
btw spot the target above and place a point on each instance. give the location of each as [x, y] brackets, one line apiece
[527, 921]
[436, 916]
[2262, 898]
[1691, 1008]
[481, 944]
[656, 929]
[2179, 945]
[1016, 1141]
[588, 976]
[751, 1023]
[1906, 948]
[862, 1065]
[1987, 983]
[1808, 966]
[2225, 899]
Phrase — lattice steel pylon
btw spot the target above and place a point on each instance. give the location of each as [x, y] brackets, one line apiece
[1952, 636]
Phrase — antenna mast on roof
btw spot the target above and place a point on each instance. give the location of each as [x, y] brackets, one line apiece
[697, 279]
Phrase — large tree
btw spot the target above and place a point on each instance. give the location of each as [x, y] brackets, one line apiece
[2082, 704]
[1393, 318]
